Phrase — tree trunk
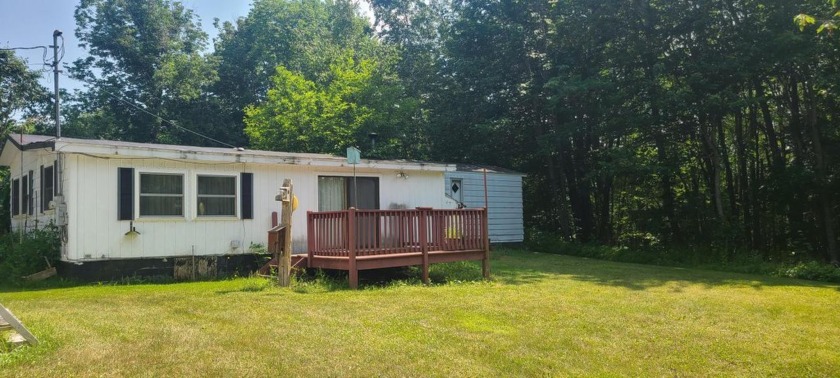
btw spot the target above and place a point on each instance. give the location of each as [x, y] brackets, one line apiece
[743, 181]
[796, 206]
[823, 186]
[713, 162]
[666, 183]
[777, 159]
[604, 190]
[724, 153]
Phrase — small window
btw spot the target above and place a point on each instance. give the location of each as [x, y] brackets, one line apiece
[161, 194]
[456, 190]
[15, 197]
[216, 196]
[47, 188]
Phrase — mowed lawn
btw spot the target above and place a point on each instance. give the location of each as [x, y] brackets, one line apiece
[542, 315]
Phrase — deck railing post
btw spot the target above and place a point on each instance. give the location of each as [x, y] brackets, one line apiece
[351, 240]
[310, 237]
[423, 214]
[485, 262]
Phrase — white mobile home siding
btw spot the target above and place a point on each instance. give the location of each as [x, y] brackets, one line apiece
[32, 160]
[504, 197]
[95, 233]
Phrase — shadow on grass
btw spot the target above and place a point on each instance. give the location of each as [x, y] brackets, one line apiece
[518, 267]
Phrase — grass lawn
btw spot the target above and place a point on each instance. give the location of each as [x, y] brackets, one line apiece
[542, 315]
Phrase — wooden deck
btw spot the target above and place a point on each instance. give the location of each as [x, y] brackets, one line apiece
[355, 240]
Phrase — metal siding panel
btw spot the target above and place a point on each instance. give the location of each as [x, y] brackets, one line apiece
[504, 194]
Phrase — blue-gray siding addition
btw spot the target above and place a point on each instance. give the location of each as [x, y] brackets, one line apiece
[504, 197]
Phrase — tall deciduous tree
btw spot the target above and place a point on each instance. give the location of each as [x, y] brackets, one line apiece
[148, 54]
[639, 122]
[301, 115]
[19, 91]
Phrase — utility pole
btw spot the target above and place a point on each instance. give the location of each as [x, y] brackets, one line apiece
[58, 173]
[56, 33]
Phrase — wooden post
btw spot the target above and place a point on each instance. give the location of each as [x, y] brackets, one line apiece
[310, 237]
[485, 262]
[351, 240]
[423, 213]
[285, 264]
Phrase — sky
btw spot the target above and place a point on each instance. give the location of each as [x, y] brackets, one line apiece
[26, 23]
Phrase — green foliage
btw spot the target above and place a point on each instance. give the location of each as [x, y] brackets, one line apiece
[638, 124]
[27, 254]
[694, 257]
[811, 270]
[147, 54]
[300, 115]
[829, 24]
[19, 90]
[305, 37]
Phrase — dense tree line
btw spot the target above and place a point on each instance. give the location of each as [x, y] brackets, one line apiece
[706, 123]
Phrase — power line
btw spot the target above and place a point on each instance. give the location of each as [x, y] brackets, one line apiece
[169, 122]
[45, 48]
[25, 48]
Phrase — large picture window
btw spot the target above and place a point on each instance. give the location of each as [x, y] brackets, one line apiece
[216, 196]
[161, 194]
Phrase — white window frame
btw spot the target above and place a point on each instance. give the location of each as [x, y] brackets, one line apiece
[138, 190]
[47, 209]
[236, 194]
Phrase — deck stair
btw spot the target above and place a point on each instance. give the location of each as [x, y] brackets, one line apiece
[298, 262]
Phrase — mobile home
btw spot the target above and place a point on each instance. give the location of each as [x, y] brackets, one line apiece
[127, 208]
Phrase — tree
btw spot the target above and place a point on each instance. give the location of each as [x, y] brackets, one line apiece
[303, 36]
[145, 62]
[638, 122]
[302, 115]
[828, 24]
[19, 91]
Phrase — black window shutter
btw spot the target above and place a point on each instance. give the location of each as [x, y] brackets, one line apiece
[247, 197]
[43, 206]
[125, 194]
[15, 196]
[30, 207]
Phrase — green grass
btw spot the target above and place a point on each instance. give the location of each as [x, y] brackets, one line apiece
[542, 315]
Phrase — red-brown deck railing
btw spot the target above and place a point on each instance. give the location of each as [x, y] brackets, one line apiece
[367, 239]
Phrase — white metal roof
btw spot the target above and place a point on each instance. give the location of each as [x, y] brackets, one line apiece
[110, 148]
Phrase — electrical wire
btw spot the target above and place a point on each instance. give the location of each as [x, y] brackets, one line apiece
[62, 49]
[25, 48]
[43, 57]
[158, 117]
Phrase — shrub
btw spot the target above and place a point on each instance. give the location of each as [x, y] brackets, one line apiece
[720, 259]
[811, 270]
[23, 256]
